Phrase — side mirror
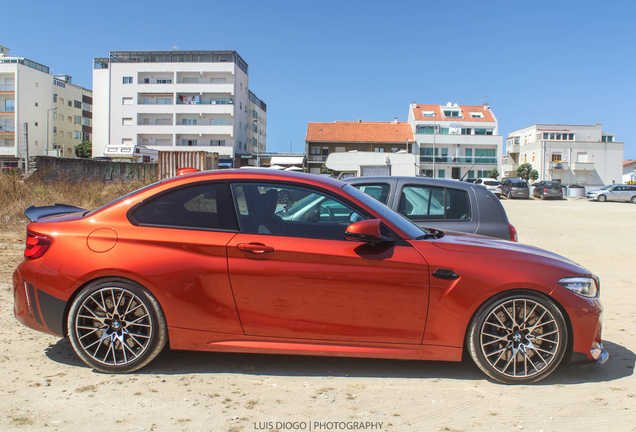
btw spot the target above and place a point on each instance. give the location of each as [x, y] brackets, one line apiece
[367, 231]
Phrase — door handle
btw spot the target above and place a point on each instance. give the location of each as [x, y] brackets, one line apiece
[445, 274]
[257, 248]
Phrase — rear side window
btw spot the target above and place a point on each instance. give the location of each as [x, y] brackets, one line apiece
[203, 206]
[379, 191]
[419, 203]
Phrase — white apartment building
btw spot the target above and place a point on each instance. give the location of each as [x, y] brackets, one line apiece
[40, 113]
[455, 141]
[569, 154]
[172, 100]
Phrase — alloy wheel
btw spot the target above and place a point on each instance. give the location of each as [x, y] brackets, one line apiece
[520, 338]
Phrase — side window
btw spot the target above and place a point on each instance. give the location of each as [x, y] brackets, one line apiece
[204, 206]
[291, 211]
[432, 203]
[378, 191]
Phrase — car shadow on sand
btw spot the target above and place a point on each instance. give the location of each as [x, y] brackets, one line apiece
[620, 365]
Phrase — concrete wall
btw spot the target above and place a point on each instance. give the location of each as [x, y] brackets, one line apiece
[81, 170]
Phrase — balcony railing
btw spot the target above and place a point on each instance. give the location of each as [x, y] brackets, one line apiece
[459, 160]
[7, 128]
[7, 108]
[7, 87]
[179, 102]
[317, 158]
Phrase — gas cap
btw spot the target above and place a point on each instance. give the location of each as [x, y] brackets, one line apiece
[102, 240]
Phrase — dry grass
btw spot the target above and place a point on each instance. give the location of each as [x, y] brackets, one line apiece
[17, 195]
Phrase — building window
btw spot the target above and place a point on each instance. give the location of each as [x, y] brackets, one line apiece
[216, 143]
[189, 121]
[164, 81]
[471, 174]
[54, 97]
[86, 107]
[443, 131]
[77, 104]
[36, 104]
[69, 135]
[164, 101]
[78, 119]
[127, 121]
[218, 122]
[607, 138]
[556, 157]
[36, 123]
[483, 131]
[77, 134]
[61, 100]
[427, 130]
[127, 101]
[426, 155]
[476, 115]
[451, 113]
[54, 114]
[467, 131]
[189, 142]
[441, 173]
[86, 121]
[70, 103]
[54, 130]
[314, 150]
[128, 80]
[428, 114]
[485, 155]
[70, 119]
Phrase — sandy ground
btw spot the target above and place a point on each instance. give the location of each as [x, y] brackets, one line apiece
[44, 385]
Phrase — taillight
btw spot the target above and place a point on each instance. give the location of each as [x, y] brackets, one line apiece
[36, 245]
[513, 233]
[545, 189]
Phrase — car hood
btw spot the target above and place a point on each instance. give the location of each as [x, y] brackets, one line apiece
[597, 191]
[471, 243]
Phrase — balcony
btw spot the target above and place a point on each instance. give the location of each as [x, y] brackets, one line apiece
[582, 166]
[7, 129]
[515, 148]
[461, 160]
[7, 109]
[7, 87]
[509, 167]
[316, 158]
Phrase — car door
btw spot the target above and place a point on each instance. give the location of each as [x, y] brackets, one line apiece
[300, 278]
[618, 193]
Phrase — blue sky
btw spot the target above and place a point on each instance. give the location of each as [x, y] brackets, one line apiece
[567, 62]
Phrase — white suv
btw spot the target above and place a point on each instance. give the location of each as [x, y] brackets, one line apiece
[491, 184]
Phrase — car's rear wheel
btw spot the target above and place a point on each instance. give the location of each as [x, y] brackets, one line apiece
[519, 338]
[633, 199]
[116, 326]
[602, 198]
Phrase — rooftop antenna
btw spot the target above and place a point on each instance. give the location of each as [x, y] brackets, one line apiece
[484, 101]
[174, 45]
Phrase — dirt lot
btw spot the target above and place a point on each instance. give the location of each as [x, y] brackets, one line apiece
[44, 386]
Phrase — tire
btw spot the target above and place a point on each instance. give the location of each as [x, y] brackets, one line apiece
[633, 200]
[602, 198]
[519, 350]
[116, 326]
[284, 197]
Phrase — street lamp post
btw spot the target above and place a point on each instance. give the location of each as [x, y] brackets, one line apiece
[434, 133]
[258, 144]
[47, 129]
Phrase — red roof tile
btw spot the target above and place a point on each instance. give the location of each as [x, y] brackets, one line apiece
[465, 109]
[360, 132]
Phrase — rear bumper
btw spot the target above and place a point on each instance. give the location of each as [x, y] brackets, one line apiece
[35, 304]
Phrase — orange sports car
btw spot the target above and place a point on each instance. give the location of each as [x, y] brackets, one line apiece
[216, 261]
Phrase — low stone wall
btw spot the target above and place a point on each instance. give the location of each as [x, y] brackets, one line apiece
[51, 169]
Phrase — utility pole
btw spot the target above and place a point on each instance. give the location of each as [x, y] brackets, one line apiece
[26, 135]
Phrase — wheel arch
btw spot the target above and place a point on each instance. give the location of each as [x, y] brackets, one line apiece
[494, 298]
[76, 293]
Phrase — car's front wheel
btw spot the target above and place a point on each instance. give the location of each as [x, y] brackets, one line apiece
[602, 198]
[116, 326]
[519, 338]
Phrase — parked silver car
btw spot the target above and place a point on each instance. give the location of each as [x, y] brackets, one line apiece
[491, 184]
[515, 189]
[614, 193]
[547, 189]
[442, 204]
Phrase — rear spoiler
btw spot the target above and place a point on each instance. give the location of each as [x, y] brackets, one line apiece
[34, 213]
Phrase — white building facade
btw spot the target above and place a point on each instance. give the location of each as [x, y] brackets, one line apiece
[569, 154]
[40, 113]
[456, 141]
[257, 110]
[172, 100]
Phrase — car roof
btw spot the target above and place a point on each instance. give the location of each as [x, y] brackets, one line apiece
[256, 174]
[422, 180]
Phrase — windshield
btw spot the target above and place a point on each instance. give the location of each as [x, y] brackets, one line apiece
[607, 187]
[408, 227]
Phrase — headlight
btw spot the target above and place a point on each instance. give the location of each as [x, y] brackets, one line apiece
[583, 286]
